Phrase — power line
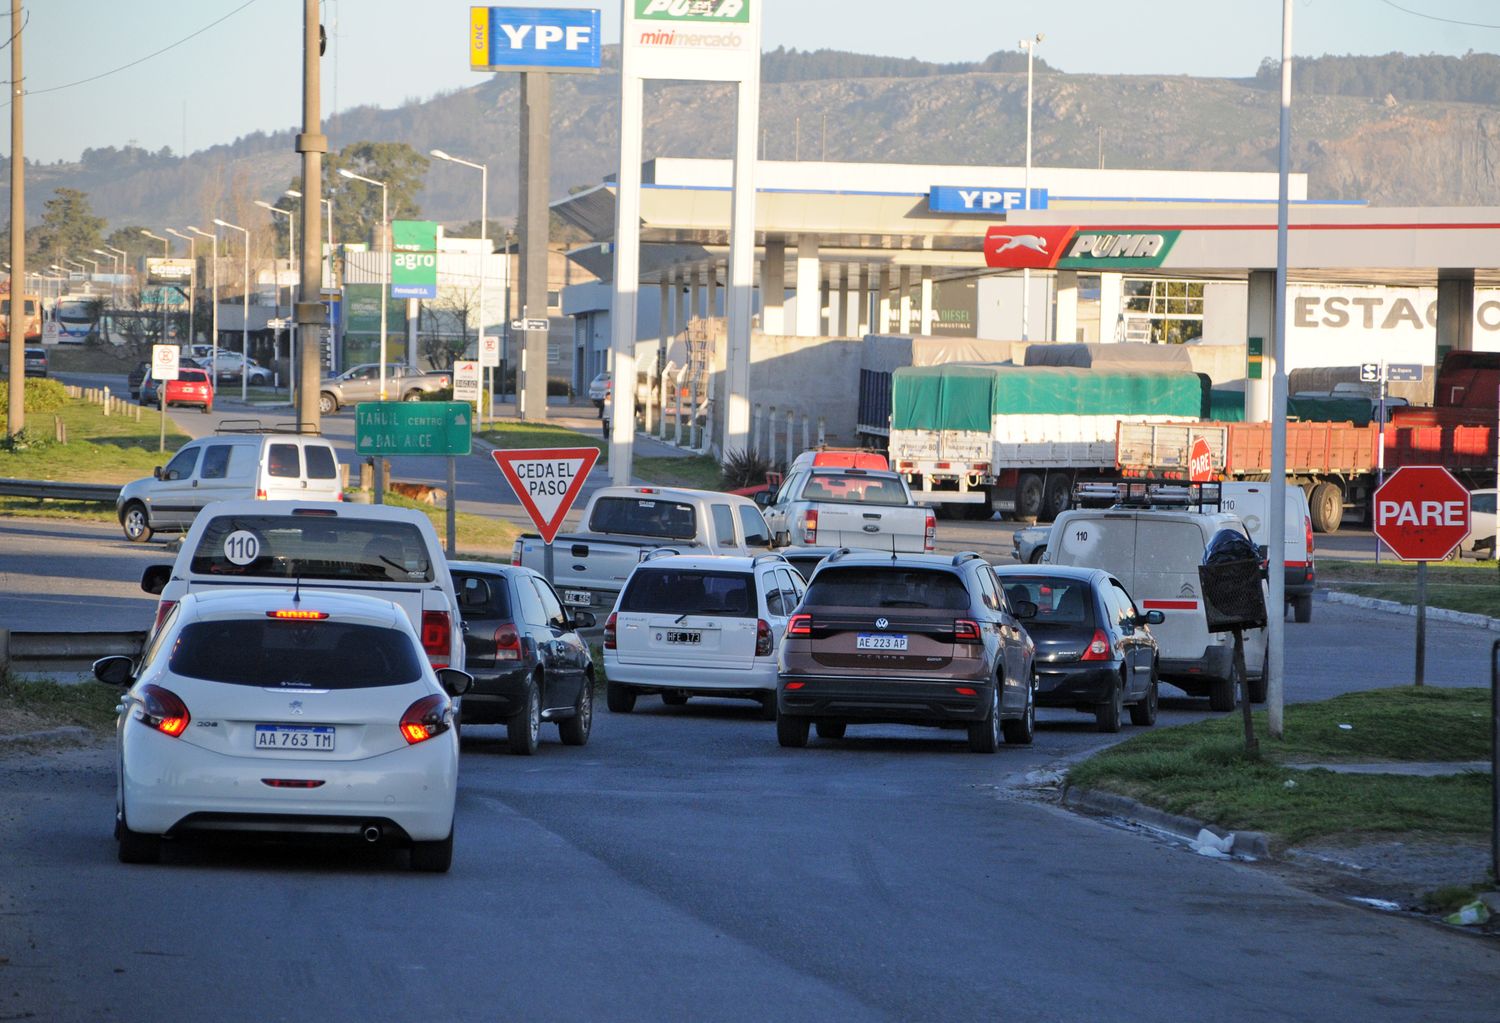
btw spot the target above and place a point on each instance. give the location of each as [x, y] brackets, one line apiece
[1434, 17]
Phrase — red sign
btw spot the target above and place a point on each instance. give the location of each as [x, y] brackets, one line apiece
[1020, 246]
[1200, 462]
[547, 481]
[1422, 513]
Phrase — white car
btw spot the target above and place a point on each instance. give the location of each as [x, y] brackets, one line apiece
[1481, 538]
[700, 626]
[286, 712]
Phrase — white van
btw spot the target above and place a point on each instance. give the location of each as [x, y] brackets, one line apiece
[226, 467]
[1252, 503]
[1155, 554]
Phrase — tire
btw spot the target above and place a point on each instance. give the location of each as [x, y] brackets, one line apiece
[327, 404]
[791, 732]
[524, 728]
[574, 731]
[619, 698]
[433, 857]
[136, 847]
[984, 736]
[1037, 553]
[1302, 609]
[674, 699]
[831, 729]
[206, 409]
[1022, 730]
[768, 707]
[1223, 691]
[1258, 686]
[1029, 497]
[1107, 715]
[1143, 711]
[1326, 508]
[412, 396]
[135, 522]
[1058, 498]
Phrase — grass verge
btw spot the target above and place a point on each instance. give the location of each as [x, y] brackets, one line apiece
[1472, 586]
[699, 472]
[31, 706]
[476, 533]
[1201, 770]
[100, 448]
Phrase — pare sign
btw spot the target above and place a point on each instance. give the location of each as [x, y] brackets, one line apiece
[533, 38]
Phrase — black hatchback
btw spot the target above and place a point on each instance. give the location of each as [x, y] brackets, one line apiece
[1094, 651]
[523, 649]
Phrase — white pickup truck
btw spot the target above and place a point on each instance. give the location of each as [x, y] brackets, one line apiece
[621, 525]
[849, 507]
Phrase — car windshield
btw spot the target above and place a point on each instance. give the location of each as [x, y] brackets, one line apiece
[312, 547]
[886, 586]
[841, 488]
[1058, 601]
[644, 516]
[690, 592]
[295, 654]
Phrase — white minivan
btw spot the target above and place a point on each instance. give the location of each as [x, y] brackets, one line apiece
[226, 467]
[1252, 503]
[1155, 554]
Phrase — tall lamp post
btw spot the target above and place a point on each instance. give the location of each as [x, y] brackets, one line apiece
[292, 193]
[1029, 45]
[484, 254]
[166, 250]
[291, 262]
[245, 317]
[385, 261]
[193, 258]
[213, 348]
[114, 265]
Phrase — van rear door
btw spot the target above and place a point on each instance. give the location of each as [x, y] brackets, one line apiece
[688, 615]
[1168, 551]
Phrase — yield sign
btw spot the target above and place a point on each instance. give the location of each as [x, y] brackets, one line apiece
[547, 480]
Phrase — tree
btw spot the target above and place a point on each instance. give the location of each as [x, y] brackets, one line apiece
[445, 326]
[135, 245]
[69, 227]
[356, 205]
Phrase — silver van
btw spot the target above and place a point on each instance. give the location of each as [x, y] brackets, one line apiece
[263, 466]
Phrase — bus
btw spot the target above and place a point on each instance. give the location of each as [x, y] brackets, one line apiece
[33, 314]
[77, 318]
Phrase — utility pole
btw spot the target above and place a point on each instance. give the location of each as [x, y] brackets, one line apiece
[15, 411]
[311, 314]
[536, 116]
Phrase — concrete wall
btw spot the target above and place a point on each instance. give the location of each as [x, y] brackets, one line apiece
[814, 376]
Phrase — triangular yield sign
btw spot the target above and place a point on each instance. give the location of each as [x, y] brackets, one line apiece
[547, 481]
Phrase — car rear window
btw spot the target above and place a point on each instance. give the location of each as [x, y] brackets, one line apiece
[1058, 601]
[295, 655]
[312, 547]
[193, 376]
[840, 488]
[284, 461]
[321, 465]
[488, 597]
[691, 591]
[886, 586]
[644, 516]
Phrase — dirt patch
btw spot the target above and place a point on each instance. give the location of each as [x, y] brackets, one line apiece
[14, 721]
[1404, 867]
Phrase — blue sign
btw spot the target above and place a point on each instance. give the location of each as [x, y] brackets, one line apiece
[541, 38]
[1404, 372]
[954, 199]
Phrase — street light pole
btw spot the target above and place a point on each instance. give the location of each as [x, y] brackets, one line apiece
[484, 258]
[245, 317]
[192, 294]
[114, 264]
[292, 193]
[385, 261]
[1029, 45]
[213, 348]
[291, 262]
[166, 250]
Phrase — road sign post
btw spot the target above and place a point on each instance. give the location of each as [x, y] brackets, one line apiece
[546, 481]
[416, 428]
[164, 363]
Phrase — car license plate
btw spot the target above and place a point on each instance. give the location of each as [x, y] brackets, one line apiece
[879, 641]
[578, 598]
[689, 638]
[305, 738]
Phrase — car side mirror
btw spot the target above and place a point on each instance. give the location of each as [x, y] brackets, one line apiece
[763, 498]
[156, 472]
[1023, 609]
[584, 620]
[454, 681]
[154, 578]
[783, 539]
[1152, 618]
[115, 670]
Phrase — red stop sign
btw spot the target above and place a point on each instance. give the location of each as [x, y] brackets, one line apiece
[1200, 462]
[1422, 513]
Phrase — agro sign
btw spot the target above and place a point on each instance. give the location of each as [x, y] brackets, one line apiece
[952, 199]
[547, 481]
[413, 259]
[533, 39]
[1422, 513]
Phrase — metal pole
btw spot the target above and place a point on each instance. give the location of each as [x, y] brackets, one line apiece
[484, 265]
[1380, 452]
[535, 157]
[1495, 759]
[1030, 45]
[1421, 621]
[452, 503]
[309, 313]
[385, 277]
[15, 408]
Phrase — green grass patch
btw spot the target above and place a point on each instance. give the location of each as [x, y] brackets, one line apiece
[697, 472]
[1472, 586]
[1201, 770]
[27, 706]
[509, 435]
[476, 533]
[100, 449]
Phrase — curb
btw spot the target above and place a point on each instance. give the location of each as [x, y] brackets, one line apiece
[77, 732]
[1246, 843]
[1440, 614]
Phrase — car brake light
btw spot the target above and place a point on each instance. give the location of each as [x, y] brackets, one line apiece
[965, 630]
[965, 691]
[810, 527]
[1307, 523]
[162, 610]
[929, 541]
[507, 643]
[164, 710]
[795, 685]
[763, 638]
[298, 616]
[437, 636]
[1098, 648]
[260, 495]
[610, 631]
[424, 719]
[799, 625]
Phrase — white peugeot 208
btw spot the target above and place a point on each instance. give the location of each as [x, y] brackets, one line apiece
[286, 712]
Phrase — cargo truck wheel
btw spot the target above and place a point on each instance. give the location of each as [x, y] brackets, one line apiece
[1326, 508]
[1059, 496]
[1029, 497]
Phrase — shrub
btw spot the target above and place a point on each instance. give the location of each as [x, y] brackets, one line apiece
[746, 469]
[41, 395]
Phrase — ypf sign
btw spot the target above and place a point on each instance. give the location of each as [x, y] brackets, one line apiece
[1422, 513]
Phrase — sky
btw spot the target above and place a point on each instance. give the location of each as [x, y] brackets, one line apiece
[235, 67]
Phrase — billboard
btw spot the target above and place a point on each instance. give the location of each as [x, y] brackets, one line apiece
[955, 199]
[413, 259]
[697, 40]
[161, 270]
[533, 39]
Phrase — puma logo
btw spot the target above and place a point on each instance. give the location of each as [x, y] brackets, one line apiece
[1034, 242]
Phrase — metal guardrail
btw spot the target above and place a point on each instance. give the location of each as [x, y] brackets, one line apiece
[24, 652]
[53, 490]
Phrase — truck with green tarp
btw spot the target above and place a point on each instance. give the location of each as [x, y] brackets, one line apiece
[986, 438]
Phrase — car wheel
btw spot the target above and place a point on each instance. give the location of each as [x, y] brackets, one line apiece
[207, 409]
[1037, 554]
[768, 707]
[1302, 609]
[1029, 497]
[791, 732]
[1143, 712]
[135, 522]
[136, 847]
[984, 736]
[1107, 714]
[433, 857]
[619, 698]
[1222, 691]
[412, 396]
[831, 729]
[326, 404]
[1259, 685]
[524, 729]
[1022, 730]
[674, 699]
[574, 731]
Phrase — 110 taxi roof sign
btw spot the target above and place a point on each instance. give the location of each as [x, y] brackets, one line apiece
[534, 39]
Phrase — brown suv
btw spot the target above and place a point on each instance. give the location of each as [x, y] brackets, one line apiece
[916, 639]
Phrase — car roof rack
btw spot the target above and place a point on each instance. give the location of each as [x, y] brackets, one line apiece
[1150, 494]
[256, 426]
[769, 556]
[659, 552]
[962, 556]
[836, 555]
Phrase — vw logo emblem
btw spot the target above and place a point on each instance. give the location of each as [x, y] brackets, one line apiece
[881, 623]
[296, 706]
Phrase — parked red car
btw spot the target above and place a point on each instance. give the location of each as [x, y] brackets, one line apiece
[192, 387]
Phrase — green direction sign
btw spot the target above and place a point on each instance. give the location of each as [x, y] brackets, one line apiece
[1116, 250]
[693, 10]
[413, 259]
[413, 427]
[1255, 349]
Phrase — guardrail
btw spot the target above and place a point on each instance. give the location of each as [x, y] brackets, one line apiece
[53, 490]
[24, 652]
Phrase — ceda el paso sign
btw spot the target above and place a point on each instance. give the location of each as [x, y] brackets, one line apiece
[1048, 247]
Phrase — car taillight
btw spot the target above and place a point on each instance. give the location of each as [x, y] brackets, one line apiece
[1098, 648]
[965, 630]
[763, 638]
[810, 526]
[260, 495]
[929, 541]
[164, 710]
[507, 643]
[515, 553]
[799, 625]
[1307, 523]
[424, 719]
[610, 631]
[163, 609]
[437, 636]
